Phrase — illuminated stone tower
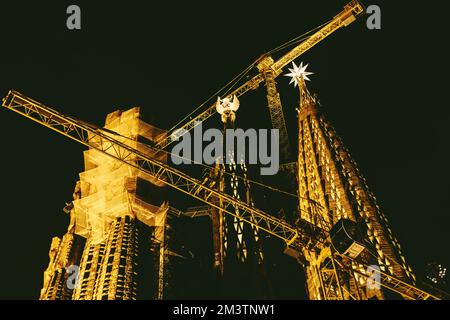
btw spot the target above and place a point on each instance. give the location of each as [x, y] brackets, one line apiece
[117, 227]
[342, 204]
[238, 252]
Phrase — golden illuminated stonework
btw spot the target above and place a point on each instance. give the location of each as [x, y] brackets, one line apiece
[125, 238]
[341, 200]
[109, 212]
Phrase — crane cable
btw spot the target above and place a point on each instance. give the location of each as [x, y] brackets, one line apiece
[198, 163]
[233, 81]
[298, 39]
[236, 79]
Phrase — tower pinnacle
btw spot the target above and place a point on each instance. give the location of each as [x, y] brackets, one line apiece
[299, 76]
[298, 73]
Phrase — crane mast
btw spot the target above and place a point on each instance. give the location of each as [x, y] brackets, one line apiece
[275, 106]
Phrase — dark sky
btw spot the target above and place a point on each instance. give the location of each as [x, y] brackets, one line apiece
[384, 91]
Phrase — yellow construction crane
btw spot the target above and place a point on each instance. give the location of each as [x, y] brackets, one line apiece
[303, 237]
[300, 239]
[270, 69]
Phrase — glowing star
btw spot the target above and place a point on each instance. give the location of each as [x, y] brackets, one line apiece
[298, 72]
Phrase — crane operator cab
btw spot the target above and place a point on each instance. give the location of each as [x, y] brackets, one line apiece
[347, 238]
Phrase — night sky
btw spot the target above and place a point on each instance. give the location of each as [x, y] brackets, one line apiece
[384, 91]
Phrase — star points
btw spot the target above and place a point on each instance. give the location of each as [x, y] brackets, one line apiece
[298, 72]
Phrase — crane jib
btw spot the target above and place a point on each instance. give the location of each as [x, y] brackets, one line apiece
[351, 11]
